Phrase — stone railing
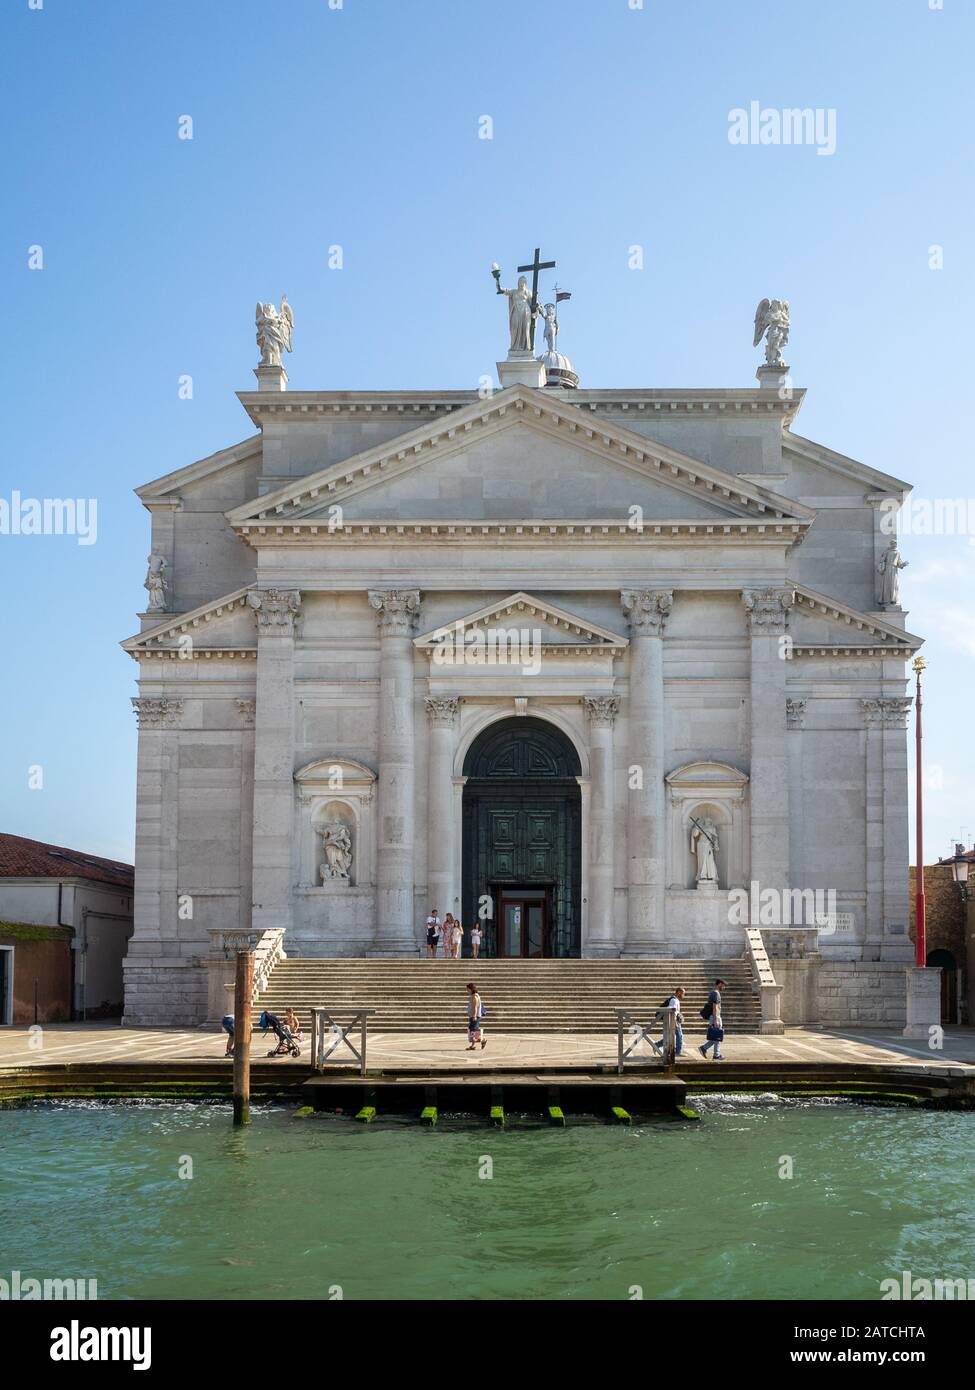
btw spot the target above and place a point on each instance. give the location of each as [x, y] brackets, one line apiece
[268, 951]
[225, 942]
[769, 992]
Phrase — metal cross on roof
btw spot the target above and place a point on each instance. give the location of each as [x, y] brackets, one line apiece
[535, 267]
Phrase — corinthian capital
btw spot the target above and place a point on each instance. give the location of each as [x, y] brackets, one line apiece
[602, 710]
[442, 710]
[157, 711]
[887, 714]
[646, 610]
[396, 610]
[767, 609]
[276, 609]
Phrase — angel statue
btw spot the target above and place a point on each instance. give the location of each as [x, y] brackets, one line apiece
[274, 331]
[772, 319]
[889, 568]
[704, 844]
[155, 584]
[337, 844]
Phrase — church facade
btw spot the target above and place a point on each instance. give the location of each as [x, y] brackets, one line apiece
[620, 673]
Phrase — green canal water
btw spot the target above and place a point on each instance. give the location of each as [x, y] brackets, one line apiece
[293, 1208]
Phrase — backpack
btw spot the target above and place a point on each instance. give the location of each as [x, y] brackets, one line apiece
[706, 1011]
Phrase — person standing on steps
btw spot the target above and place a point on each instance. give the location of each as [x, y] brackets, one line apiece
[711, 1013]
[433, 931]
[475, 1013]
[458, 938]
[476, 940]
[447, 936]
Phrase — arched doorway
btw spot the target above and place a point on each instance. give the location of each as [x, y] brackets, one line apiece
[949, 984]
[522, 839]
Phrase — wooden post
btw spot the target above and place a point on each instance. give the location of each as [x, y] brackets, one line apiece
[243, 998]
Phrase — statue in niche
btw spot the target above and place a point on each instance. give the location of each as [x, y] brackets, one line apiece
[337, 847]
[704, 847]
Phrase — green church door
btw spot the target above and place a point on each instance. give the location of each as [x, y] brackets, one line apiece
[522, 840]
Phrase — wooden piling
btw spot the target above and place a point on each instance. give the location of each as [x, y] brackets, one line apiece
[243, 998]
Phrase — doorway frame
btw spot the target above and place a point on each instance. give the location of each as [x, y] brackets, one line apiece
[538, 894]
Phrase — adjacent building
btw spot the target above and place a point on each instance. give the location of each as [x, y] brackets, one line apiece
[65, 923]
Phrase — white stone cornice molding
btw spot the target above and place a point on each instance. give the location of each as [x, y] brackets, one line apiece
[276, 610]
[795, 714]
[601, 709]
[442, 710]
[767, 610]
[157, 711]
[886, 713]
[397, 610]
[247, 710]
[646, 610]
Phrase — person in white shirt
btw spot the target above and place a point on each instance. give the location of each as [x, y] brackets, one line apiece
[673, 1002]
[476, 940]
[433, 932]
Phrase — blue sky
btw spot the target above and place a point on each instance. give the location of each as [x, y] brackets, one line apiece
[357, 126]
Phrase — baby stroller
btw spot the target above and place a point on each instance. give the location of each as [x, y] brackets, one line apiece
[286, 1041]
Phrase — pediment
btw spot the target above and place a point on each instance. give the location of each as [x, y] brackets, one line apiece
[222, 628]
[820, 624]
[520, 454]
[558, 629]
[335, 773]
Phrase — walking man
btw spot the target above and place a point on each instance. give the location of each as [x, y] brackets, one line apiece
[674, 1003]
[433, 932]
[712, 1013]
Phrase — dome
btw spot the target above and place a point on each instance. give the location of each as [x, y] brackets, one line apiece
[558, 370]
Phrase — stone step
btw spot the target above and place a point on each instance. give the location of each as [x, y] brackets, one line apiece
[424, 996]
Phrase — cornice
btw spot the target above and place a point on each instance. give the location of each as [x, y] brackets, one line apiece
[302, 531]
[314, 405]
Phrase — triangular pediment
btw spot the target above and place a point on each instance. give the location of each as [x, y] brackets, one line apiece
[224, 627]
[519, 455]
[820, 623]
[557, 627]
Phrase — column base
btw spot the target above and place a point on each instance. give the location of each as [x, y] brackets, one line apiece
[407, 950]
[601, 950]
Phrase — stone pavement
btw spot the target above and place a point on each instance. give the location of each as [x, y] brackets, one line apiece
[101, 1042]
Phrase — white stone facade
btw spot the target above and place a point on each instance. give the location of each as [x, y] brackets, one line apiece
[685, 592]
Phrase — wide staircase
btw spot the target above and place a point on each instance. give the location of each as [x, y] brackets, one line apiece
[520, 996]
